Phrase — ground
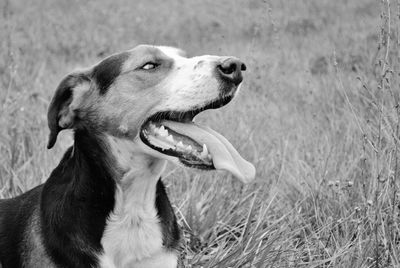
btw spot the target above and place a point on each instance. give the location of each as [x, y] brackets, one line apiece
[317, 114]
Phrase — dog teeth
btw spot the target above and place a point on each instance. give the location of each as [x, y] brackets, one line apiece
[204, 153]
[170, 138]
[180, 145]
[163, 132]
[189, 148]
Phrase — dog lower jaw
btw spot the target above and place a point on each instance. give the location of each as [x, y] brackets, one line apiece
[128, 155]
[156, 155]
[187, 151]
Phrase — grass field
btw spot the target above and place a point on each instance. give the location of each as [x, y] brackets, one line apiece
[318, 115]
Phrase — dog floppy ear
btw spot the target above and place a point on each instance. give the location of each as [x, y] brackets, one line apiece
[60, 114]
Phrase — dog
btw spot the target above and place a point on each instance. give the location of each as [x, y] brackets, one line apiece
[105, 205]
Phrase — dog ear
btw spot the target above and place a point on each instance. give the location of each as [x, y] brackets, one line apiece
[60, 114]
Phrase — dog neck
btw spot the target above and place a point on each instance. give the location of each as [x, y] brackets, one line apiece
[136, 176]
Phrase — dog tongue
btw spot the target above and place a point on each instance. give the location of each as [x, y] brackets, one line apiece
[224, 155]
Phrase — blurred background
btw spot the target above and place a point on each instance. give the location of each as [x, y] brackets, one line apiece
[317, 114]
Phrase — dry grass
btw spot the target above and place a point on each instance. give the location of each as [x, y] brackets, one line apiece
[318, 115]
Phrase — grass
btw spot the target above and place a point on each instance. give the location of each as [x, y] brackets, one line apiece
[318, 115]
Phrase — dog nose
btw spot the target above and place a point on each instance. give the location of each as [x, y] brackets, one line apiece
[231, 70]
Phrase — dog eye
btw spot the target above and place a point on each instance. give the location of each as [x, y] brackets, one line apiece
[149, 66]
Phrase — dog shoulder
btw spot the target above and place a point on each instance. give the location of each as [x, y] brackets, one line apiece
[15, 221]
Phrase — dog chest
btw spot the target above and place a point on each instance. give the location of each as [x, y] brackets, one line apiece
[133, 235]
[135, 241]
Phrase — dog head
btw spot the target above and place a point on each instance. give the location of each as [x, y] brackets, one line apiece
[149, 95]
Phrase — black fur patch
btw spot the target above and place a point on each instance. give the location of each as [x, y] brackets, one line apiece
[169, 226]
[109, 69]
[14, 218]
[76, 201]
[62, 98]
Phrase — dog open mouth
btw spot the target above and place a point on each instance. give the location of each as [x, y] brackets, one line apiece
[174, 133]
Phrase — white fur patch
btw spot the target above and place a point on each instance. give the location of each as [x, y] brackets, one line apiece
[133, 236]
[192, 83]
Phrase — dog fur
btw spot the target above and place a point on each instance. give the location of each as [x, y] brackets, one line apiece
[105, 205]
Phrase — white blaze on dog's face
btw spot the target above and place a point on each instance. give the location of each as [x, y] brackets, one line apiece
[150, 95]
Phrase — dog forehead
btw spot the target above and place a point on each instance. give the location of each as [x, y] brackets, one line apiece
[143, 53]
[173, 52]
